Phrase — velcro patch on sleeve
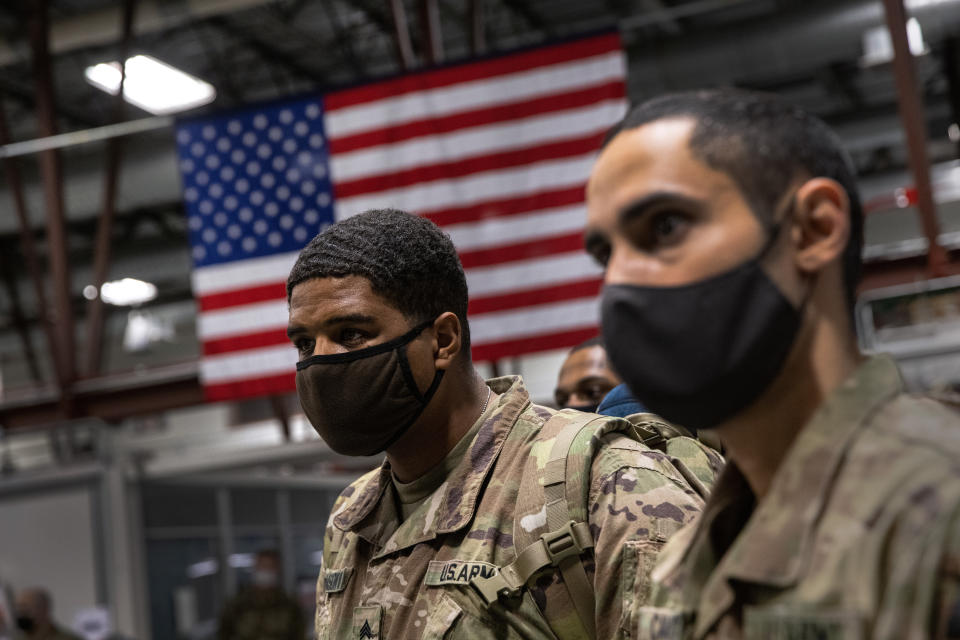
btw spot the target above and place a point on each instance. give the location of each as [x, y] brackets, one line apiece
[441, 572]
[336, 580]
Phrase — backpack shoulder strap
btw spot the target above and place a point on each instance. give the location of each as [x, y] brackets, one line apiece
[564, 533]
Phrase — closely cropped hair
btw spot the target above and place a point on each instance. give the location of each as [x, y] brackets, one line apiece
[408, 260]
[764, 144]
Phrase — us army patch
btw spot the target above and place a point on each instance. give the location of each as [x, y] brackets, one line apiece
[335, 580]
[456, 572]
[366, 622]
[661, 623]
[791, 624]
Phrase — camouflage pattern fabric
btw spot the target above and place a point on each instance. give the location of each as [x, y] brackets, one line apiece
[858, 536]
[383, 579]
[253, 615]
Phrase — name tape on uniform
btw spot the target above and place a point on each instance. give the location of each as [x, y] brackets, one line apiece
[441, 572]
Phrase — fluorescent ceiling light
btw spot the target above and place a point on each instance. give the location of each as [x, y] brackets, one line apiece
[123, 293]
[878, 47]
[152, 85]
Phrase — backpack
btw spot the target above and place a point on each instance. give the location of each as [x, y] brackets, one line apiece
[563, 489]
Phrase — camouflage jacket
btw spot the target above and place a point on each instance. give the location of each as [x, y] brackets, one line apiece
[383, 579]
[857, 537]
[261, 616]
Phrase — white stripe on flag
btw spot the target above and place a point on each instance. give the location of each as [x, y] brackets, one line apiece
[242, 320]
[529, 274]
[531, 321]
[515, 134]
[250, 364]
[494, 232]
[475, 188]
[475, 94]
[243, 274]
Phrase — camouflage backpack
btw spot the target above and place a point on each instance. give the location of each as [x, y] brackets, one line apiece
[562, 493]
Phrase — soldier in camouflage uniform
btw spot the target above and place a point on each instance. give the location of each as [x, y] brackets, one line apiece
[263, 611]
[407, 542]
[731, 230]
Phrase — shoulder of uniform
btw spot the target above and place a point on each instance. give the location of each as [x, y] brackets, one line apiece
[918, 426]
[353, 492]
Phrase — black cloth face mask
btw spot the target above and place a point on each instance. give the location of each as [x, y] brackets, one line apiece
[700, 353]
[26, 624]
[360, 402]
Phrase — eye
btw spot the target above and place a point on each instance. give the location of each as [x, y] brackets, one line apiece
[667, 228]
[353, 338]
[304, 347]
[561, 397]
[599, 250]
[596, 393]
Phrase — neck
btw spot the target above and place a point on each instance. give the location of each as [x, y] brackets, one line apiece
[446, 420]
[758, 438]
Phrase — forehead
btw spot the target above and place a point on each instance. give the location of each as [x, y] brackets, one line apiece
[585, 360]
[654, 157]
[323, 296]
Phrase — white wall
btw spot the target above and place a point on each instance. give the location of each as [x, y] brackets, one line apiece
[46, 540]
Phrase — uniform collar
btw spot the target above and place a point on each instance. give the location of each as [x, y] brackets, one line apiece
[373, 515]
[795, 503]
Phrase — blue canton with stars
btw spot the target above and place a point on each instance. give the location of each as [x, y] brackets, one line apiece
[255, 182]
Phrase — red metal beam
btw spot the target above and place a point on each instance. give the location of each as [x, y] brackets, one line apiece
[51, 173]
[401, 35]
[27, 245]
[432, 31]
[102, 245]
[478, 32]
[914, 125]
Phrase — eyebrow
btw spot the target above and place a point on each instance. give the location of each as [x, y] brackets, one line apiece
[642, 206]
[351, 318]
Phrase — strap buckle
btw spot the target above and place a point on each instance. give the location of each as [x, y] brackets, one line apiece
[562, 544]
[492, 588]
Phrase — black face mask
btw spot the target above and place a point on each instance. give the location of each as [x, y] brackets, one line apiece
[361, 402]
[700, 353]
[26, 624]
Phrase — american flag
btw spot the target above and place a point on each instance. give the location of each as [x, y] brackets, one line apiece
[495, 152]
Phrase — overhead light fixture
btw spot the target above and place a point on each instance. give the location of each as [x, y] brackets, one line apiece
[878, 47]
[152, 85]
[128, 292]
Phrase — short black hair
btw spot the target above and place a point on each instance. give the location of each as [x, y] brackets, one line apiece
[764, 144]
[595, 341]
[408, 260]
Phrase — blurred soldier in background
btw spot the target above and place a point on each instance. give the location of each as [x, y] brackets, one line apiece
[34, 609]
[263, 611]
[585, 377]
[484, 499]
[731, 231]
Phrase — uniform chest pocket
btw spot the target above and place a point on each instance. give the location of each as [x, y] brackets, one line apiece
[440, 620]
[789, 623]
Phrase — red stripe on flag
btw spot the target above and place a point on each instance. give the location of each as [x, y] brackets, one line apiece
[237, 297]
[507, 206]
[479, 117]
[510, 63]
[535, 297]
[532, 344]
[467, 166]
[281, 383]
[544, 246]
[268, 338]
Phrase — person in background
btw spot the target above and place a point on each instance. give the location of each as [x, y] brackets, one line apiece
[263, 611]
[585, 377]
[730, 229]
[34, 611]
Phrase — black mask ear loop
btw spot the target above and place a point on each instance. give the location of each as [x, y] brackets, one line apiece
[423, 398]
[775, 229]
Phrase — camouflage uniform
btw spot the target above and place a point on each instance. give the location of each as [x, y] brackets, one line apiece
[858, 536]
[262, 615]
[385, 579]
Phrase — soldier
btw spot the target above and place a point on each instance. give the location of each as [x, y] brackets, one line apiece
[731, 231]
[452, 535]
[34, 609]
[585, 377]
[263, 611]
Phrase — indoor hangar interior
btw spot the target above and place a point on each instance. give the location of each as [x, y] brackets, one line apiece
[136, 484]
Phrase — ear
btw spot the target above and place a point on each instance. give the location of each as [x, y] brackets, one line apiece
[449, 336]
[821, 226]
